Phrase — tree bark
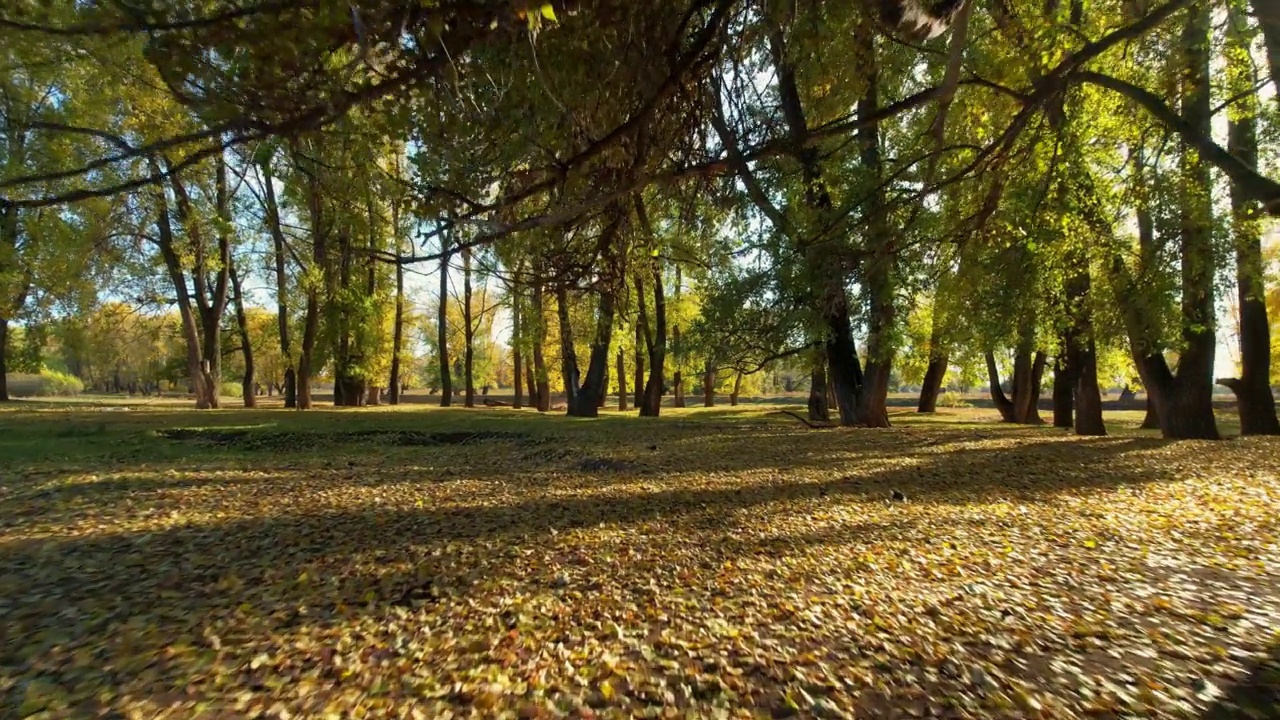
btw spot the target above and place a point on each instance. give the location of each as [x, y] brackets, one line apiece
[568, 356]
[819, 410]
[878, 270]
[469, 333]
[1188, 410]
[190, 329]
[247, 383]
[397, 334]
[4, 359]
[932, 386]
[282, 287]
[442, 328]
[829, 295]
[640, 343]
[539, 361]
[1023, 406]
[737, 388]
[1255, 402]
[1268, 15]
[677, 350]
[586, 401]
[516, 341]
[1064, 386]
[622, 380]
[1088, 396]
[652, 405]
[709, 384]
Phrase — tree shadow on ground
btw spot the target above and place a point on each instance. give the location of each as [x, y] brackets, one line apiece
[135, 592]
[1256, 698]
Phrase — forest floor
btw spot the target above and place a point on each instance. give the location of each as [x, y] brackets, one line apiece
[386, 563]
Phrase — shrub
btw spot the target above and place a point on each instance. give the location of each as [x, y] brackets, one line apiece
[54, 383]
[230, 389]
[952, 399]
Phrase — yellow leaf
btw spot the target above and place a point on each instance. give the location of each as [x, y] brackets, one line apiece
[549, 12]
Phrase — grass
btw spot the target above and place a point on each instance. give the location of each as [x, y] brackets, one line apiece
[412, 562]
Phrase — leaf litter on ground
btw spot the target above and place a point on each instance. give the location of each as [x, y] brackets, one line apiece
[758, 570]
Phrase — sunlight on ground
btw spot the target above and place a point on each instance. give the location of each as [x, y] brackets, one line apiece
[403, 564]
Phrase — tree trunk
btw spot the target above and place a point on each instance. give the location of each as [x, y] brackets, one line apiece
[819, 410]
[622, 380]
[518, 401]
[531, 383]
[737, 388]
[1023, 406]
[247, 383]
[442, 329]
[709, 385]
[186, 313]
[878, 269]
[638, 370]
[1268, 14]
[604, 387]
[932, 386]
[468, 331]
[282, 287]
[1003, 404]
[540, 362]
[4, 359]
[677, 349]
[586, 401]
[310, 333]
[828, 293]
[1151, 421]
[1188, 410]
[397, 333]
[652, 405]
[1088, 397]
[568, 356]
[1255, 402]
[1064, 384]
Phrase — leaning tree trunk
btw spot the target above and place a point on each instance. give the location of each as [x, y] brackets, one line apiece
[737, 388]
[1150, 421]
[1023, 407]
[932, 386]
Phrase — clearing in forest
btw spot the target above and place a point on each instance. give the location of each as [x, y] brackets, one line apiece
[386, 564]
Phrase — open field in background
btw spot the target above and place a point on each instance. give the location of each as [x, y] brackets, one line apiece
[415, 562]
